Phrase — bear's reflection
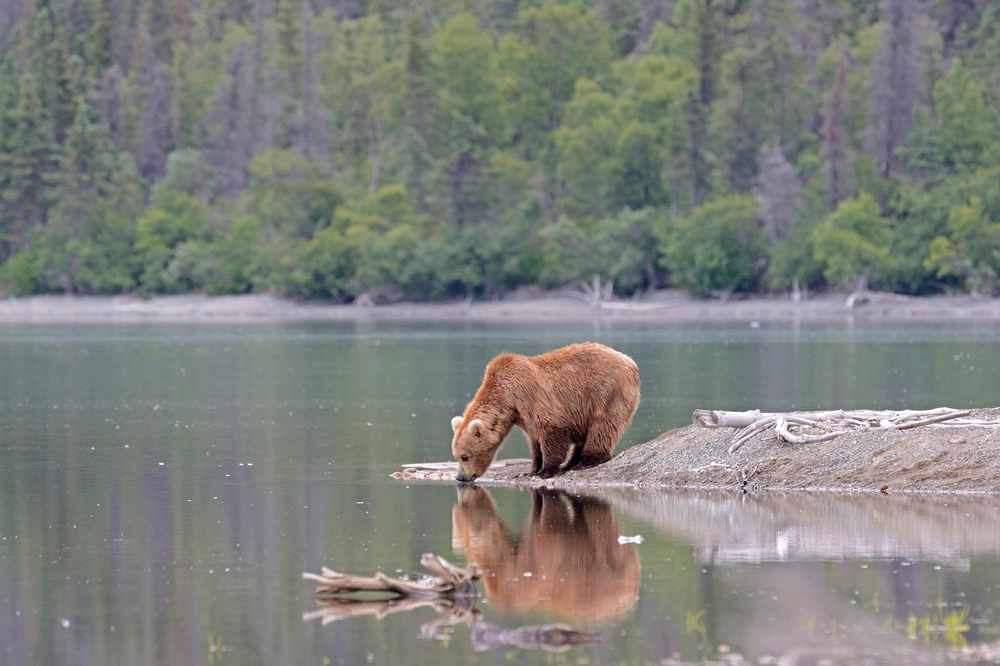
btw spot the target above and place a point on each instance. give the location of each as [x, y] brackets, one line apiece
[567, 561]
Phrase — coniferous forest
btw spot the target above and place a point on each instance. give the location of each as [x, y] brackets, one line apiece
[425, 149]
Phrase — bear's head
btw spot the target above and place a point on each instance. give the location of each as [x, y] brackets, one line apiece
[474, 446]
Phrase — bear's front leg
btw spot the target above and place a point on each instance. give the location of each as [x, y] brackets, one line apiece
[536, 455]
[536, 458]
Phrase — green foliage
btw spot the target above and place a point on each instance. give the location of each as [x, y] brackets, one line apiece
[720, 247]
[971, 250]
[465, 60]
[854, 244]
[232, 263]
[612, 152]
[175, 218]
[290, 193]
[449, 149]
[188, 171]
[767, 98]
[621, 248]
[552, 47]
[966, 134]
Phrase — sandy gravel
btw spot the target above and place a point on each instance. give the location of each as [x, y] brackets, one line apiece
[666, 304]
[954, 460]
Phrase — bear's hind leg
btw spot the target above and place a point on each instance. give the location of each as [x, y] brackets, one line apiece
[601, 441]
[574, 458]
[597, 458]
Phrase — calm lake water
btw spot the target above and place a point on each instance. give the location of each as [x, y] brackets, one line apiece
[164, 487]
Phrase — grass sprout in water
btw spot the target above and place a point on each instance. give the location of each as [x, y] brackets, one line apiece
[950, 627]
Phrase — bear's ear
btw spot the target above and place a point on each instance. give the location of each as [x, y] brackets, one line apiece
[455, 422]
[477, 427]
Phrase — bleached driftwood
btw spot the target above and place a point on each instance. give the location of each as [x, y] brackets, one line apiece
[452, 593]
[450, 582]
[810, 427]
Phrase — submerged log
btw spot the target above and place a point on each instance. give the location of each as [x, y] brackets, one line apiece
[810, 427]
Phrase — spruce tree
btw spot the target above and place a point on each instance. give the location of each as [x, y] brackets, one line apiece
[895, 85]
[9, 98]
[100, 49]
[833, 136]
[87, 244]
[53, 73]
[30, 163]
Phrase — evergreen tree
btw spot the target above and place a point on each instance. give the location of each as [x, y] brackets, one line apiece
[9, 100]
[87, 244]
[895, 85]
[100, 44]
[699, 38]
[155, 139]
[30, 162]
[229, 125]
[159, 25]
[53, 73]
[778, 190]
[419, 108]
[765, 98]
[833, 136]
[968, 133]
[553, 46]
[312, 140]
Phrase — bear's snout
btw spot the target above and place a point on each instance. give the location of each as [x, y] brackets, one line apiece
[464, 477]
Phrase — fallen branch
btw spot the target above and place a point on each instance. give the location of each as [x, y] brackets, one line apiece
[813, 427]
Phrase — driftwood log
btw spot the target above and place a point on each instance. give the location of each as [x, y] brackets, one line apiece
[452, 593]
[450, 582]
[809, 427]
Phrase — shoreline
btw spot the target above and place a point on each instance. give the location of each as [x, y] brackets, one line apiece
[922, 460]
[661, 306]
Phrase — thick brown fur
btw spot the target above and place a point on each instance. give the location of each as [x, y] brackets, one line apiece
[569, 549]
[573, 404]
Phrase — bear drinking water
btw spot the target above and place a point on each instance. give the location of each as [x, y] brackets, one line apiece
[573, 404]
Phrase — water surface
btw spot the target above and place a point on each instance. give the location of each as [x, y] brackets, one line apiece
[165, 486]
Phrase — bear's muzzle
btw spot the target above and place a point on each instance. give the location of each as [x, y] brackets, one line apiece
[464, 477]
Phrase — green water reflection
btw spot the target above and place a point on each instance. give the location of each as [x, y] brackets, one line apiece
[164, 487]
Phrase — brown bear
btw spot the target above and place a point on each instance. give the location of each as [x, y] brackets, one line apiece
[573, 404]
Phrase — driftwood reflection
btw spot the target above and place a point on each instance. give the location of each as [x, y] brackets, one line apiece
[450, 612]
[567, 560]
[452, 593]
